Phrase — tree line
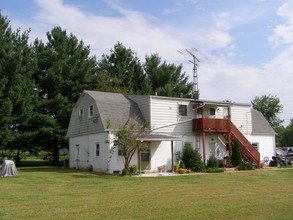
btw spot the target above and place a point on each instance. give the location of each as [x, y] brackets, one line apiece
[41, 81]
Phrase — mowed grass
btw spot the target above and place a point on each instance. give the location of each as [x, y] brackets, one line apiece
[56, 193]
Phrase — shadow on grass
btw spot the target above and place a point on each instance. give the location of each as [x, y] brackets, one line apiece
[74, 173]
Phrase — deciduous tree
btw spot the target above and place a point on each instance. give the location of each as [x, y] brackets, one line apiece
[270, 106]
[127, 140]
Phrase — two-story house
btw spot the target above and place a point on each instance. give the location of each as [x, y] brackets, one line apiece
[209, 126]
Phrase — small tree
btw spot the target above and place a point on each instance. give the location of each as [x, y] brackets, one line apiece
[198, 164]
[236, 154]
[192, 158]
[188, 156]
[127, 140]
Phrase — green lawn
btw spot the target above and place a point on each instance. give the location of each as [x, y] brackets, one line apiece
[56, 193]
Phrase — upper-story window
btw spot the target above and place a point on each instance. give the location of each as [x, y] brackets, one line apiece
[91, 111]
[80, 113]
[183, 110]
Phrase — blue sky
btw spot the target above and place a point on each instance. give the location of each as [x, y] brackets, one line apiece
[245, 46]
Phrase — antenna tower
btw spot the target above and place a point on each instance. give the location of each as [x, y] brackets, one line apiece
[190, 55]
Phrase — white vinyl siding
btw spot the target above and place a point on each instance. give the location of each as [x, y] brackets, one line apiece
[165, 115]
[89, 125]
[241, 117]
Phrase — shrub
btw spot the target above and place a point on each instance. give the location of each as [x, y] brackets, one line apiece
[133, 170]
[192, 158]
[181, 165]
[198, 164]
[125, 172]
[188, 155]
[215, 170]
[213, 162]
[175, 168]
[245, 166]
[183, 170]
[236, 154]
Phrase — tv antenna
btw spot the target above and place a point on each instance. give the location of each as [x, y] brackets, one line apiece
[190, 55]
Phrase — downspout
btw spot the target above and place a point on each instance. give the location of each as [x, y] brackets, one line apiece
[229, 133]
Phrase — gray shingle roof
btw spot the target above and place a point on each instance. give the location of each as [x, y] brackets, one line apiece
[259, 123]
[116, 107]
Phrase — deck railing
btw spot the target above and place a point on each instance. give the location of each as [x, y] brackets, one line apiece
[211, 125]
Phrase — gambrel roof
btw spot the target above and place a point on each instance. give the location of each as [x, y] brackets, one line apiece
[116, 107]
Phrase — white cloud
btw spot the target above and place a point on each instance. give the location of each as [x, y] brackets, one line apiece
[283, 33]
[133, 29]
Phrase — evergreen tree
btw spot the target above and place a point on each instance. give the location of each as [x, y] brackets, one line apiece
[17, 96]
[64, 69]
[236, 154]
[123, 71]
[166, 79]
[192, 158]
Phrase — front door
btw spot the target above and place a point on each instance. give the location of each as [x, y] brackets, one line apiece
[145, 160]
[212, 149]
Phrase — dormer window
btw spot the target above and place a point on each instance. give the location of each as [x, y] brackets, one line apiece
[183, 110]
[91, 111]
[80, 113]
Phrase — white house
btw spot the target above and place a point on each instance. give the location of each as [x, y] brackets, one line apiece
[209, 126]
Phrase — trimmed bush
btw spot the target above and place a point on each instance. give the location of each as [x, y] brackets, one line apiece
[192, 159]
[133, 170]
[125, 172]
[215, 170]
[198, 164]
[213, 162]
[183, 171]
[245, 166]
[188, 156]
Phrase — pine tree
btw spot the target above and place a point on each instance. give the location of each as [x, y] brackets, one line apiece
[64, 69]
[236, 154]
[17, 94]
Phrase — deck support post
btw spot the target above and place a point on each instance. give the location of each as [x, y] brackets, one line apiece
[172, 156]
[204, 147]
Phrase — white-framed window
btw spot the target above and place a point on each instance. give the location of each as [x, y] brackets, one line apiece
[97, 149]
[91, 111]
[255, 145]
[183, 110]
[80, 113]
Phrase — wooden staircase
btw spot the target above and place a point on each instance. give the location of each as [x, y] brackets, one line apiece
[248, 152]
[231, 133]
